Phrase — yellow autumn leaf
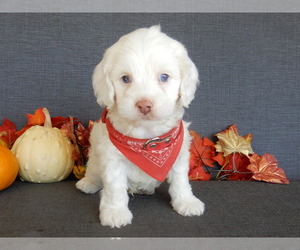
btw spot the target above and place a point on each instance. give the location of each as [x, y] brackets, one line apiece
[2, 141]
[231, 142]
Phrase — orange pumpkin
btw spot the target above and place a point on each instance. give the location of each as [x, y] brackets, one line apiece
[9, 167]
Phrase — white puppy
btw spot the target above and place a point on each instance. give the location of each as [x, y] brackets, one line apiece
[144, 80]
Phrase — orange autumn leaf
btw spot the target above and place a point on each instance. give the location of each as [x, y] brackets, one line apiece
[231, 142]
[38, 118]
[265, 168]
[202, 152]
[220, 159]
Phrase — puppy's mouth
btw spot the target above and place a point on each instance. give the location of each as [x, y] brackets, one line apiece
[146, 117]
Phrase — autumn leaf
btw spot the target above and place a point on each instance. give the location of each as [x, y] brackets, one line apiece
[8, 132]
[233, 154]
[220, 159]
[83, 136]
[202, 152]
[38, 118]
[199, 174]
[79, 171]
[235, 168]
[67, 129]
[231, 142]
[59, 121]
[76, 155]
[265, 168]
[2, 140]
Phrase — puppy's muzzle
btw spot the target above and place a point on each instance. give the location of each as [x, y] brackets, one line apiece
[144, 106]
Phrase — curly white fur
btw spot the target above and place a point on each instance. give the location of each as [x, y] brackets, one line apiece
[131, 82]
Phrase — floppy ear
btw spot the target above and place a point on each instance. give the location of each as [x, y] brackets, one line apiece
[103, 87]
[189, 82]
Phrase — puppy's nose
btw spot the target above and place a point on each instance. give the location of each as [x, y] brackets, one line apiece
[144, 106]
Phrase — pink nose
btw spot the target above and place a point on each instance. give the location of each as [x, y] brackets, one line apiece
[144, 106]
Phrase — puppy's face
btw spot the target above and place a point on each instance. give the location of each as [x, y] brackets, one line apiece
[145, 76]
[146, 79]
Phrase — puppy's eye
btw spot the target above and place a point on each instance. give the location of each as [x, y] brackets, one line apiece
[164, 77]
[126, 79]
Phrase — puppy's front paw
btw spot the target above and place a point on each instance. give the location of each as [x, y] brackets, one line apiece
[115, 217]
[188, 206]
[87, 186]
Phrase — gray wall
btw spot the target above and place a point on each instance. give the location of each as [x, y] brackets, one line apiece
[249, 67]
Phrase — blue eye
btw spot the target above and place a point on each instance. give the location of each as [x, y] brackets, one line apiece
[164, 77]
[126, 79]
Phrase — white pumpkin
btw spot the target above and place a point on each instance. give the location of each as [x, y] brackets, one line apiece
[44, 153]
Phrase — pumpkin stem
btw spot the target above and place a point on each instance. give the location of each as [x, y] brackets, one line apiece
[48, 123]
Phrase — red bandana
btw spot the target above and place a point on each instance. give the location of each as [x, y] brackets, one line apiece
[154, 156]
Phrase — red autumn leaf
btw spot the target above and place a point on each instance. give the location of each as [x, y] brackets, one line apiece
[68, 130]
[265, 168]
[202, 152]
[199, 174]
[9, 132]
[83, 136]
[20, 132]
[59, 121]
[236, 166]
[76, 155]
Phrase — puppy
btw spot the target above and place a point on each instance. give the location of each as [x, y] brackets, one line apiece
[144, 81]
